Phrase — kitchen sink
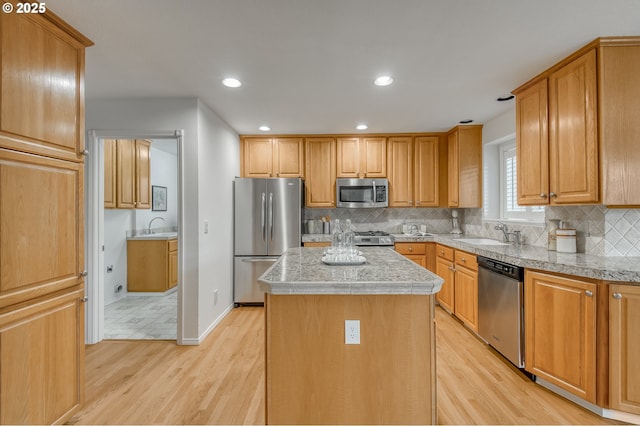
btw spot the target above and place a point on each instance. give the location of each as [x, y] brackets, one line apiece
[482, 241]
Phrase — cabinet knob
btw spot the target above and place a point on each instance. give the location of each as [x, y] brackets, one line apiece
[617, 296]
[84, 299]
[589, 293]
[543, 195]
[410, 248]
[85, 152]
[463, 259]
[553, 195]
[410, 202]
[84, 273]
[451, 268]
[442, 252]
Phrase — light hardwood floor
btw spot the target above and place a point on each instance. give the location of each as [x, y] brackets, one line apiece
[222, 381]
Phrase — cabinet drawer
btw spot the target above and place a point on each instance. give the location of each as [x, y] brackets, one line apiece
[467, 260]
[444, 252]
[173, 245]
[411, 248]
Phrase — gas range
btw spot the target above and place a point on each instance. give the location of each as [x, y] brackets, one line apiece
[373, 238]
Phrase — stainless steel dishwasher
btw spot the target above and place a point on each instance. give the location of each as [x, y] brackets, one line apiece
[501, 308]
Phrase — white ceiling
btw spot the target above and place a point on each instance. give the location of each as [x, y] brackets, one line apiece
[308, 66]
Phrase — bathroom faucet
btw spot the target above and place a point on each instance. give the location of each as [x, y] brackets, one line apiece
[149, 231]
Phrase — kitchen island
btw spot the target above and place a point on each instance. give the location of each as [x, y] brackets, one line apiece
[313, 376]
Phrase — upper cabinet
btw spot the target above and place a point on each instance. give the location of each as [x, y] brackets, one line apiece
[127, 174]
[320, 183]
[465, 166]
[46, 117]
[576, 127]
[272, 157]
[415, 167]
[362, 157]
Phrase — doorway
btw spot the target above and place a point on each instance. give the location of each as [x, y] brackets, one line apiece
[113, 311]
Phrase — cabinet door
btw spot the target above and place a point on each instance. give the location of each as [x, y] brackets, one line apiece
[288, 157]
[466, 296]
[446, 296]
[400, 172]
[41, 218]
[42, 360]
[42, 88]
[573, 132]
[426, 171]
[348, 157]
[320, 166]
[560, 332]
[532, 145]
[454, 170]
[110, 174]
[373, 152]
[624, 347]
[126, 174]
[143, 174]
[173, 269]
[257, 157]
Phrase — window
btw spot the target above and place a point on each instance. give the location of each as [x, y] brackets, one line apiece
[509, 208]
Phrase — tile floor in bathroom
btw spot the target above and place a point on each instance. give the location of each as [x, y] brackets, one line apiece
[142, 317]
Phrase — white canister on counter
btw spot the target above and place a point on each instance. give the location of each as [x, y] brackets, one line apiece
[566, 240]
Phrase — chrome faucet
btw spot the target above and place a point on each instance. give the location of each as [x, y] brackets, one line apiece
[517, 236]
[149, 231]
[505, 231]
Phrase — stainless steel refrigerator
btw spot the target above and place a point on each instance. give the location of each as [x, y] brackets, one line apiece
[267, 221]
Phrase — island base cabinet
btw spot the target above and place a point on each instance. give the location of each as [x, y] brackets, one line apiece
[313, 377]
[624, 347]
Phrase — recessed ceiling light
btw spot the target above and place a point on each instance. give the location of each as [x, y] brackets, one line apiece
[504, 98]
[383, 80]
[264, 128]
[466, 121]
[231, 82]
[362, 127]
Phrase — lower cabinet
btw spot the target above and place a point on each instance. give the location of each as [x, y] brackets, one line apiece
[560, 332]
[459, 293]
[466, 289]
[317, 244]
[42, 359]
[422, 253]
[446, 270]
[152, 265]
[624, 347]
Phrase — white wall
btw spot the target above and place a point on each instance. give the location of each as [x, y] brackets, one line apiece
[189, 115]
[215, 194]
[116, 224]
[164, 172]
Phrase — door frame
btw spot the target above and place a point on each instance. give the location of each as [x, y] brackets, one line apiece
[94, 225]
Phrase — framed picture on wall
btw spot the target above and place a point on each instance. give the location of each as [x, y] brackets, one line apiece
[158, 198]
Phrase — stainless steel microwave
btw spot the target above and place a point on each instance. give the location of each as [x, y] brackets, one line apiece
[362, 193]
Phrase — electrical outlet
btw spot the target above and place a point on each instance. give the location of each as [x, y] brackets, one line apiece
[109, 269]
[206, 226]
[351, 332]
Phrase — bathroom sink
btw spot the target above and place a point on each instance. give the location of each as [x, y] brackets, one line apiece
[482, 241]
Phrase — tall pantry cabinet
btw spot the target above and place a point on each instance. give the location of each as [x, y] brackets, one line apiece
[41, 218]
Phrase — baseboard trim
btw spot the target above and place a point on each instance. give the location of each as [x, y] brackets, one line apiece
[214, 324]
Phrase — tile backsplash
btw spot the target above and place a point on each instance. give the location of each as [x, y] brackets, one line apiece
[600, 231]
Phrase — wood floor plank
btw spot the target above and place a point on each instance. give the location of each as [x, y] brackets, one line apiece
[222, 381]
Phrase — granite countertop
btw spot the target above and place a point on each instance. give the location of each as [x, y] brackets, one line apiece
[301, 271]
[609, 268]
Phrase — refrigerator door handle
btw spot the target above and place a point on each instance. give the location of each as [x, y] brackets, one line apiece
[263, 219]
[254, 260]
[271, 216]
